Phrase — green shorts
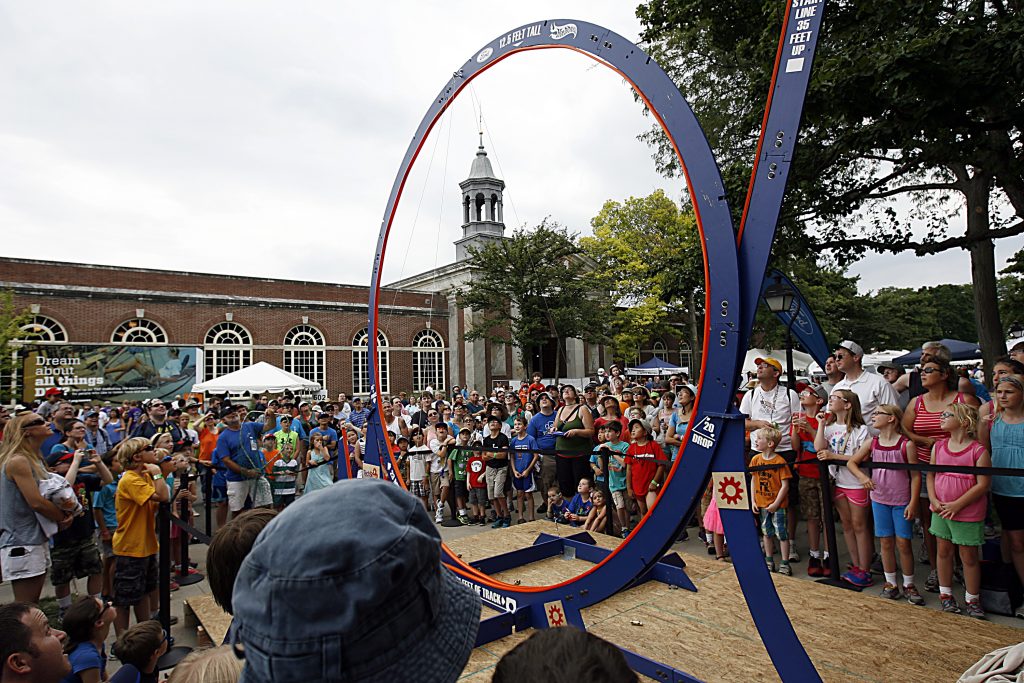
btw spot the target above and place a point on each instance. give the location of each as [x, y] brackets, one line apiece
[959, 533]
[75, 560]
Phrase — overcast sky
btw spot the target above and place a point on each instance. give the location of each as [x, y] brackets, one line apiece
[262, 138]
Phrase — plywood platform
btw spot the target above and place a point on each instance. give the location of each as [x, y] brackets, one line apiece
[850, 636]
[209, 616]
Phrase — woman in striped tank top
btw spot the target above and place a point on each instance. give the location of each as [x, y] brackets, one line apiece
[922, 422]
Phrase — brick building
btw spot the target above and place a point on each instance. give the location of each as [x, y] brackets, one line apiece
[316, 330]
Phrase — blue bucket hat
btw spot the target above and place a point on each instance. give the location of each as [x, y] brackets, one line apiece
[366, 598]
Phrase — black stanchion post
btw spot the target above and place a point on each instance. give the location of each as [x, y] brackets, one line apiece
[829, 522]
[207, 495]
[185, 578]
[173, 654]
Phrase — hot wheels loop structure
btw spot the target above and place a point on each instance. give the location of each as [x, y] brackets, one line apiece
[734, 266]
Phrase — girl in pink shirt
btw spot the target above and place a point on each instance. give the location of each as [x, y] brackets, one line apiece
[957, 502]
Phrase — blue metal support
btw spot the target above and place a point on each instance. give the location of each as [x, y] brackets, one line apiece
[735, 266]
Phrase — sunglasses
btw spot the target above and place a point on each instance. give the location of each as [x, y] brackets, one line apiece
[929, 371]
[946, 414]
[33, 423]
[147, 448]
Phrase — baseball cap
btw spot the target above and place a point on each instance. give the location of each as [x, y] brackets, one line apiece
[822, 392]
[774, 362]
[888, 365]
[643, 423]
[851, 346]
[53, 391]
[309, 607]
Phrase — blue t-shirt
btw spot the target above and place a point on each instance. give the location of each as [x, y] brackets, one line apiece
[329, 434]
[242, 447]
[85, 656]
[539, 428]
[104, 500]
[557, 512]
[579, 507]
[524, 452]
[129, 674]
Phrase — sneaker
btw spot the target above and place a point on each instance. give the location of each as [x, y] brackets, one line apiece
[826, 567]
[1019, 614]
[785, 569]
[949, 604]
[440, 505]
[497, 523]
[770, 562]
[857, 577]
[625, 534]
[931, 584]
[794, 553]
[814, 567]
[506, 522]
[972, 608]
[913, 597]
[521, 521]
[481, 521]
[711, 550]
[174, 586]
[439, 517]
[464, 520]
[891, 592]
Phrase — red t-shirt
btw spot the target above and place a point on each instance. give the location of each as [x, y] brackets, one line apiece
[807, 460]
[642, 465]
[475, 467]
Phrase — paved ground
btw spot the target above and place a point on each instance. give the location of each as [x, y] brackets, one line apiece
[185, 635]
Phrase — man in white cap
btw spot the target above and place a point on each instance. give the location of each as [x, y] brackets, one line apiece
[871, 388]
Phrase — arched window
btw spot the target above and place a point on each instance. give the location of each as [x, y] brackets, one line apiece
[686, 357]
[139, 331]
[659, 351]
[361, 379]
[41, 329]
[427, 361]
[304, 353]
[228, 348]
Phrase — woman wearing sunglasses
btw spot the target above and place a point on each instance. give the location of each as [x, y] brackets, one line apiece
[87, 625]
[24, 551]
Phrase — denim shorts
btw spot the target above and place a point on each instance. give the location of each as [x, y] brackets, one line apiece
[774, 523]
[889, 521]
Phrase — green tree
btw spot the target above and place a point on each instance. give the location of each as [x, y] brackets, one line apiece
[1011, 290]
[912, 120]
[529, 289]
[11, 319]
[647, 252]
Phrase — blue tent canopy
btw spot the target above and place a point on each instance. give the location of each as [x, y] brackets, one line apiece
[961, 350]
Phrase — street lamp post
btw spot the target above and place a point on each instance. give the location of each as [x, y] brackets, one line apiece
[779, 299]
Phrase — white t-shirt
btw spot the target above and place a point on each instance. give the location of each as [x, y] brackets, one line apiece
[774, 407]
[436, 466]
[419, 456]
[845, 443]
[873, 390]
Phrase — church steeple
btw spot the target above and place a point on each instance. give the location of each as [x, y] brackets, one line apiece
[482, 205]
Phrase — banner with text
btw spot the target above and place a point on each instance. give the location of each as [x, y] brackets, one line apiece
[109, 372]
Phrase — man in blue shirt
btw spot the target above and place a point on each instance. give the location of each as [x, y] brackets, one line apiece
[238, 453]
[357, 418]
[540, 428]
[329, 433]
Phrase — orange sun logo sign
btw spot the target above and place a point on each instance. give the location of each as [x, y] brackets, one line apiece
[555, 614]
[731, 490]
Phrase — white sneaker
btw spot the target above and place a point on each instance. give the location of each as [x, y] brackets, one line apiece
[439, 517]
[440, 505]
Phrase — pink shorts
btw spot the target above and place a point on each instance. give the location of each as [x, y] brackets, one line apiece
[858, 497]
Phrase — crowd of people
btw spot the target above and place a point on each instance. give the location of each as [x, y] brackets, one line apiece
[79, 483]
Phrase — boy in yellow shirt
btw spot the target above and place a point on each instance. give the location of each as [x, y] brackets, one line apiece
[141, 488]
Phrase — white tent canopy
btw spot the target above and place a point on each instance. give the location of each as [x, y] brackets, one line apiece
[801, 360]
[257, 378]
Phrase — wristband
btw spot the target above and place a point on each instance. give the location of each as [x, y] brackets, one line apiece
[157, 476]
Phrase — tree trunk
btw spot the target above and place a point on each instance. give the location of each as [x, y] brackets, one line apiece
[983, 272]
[696, 357]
